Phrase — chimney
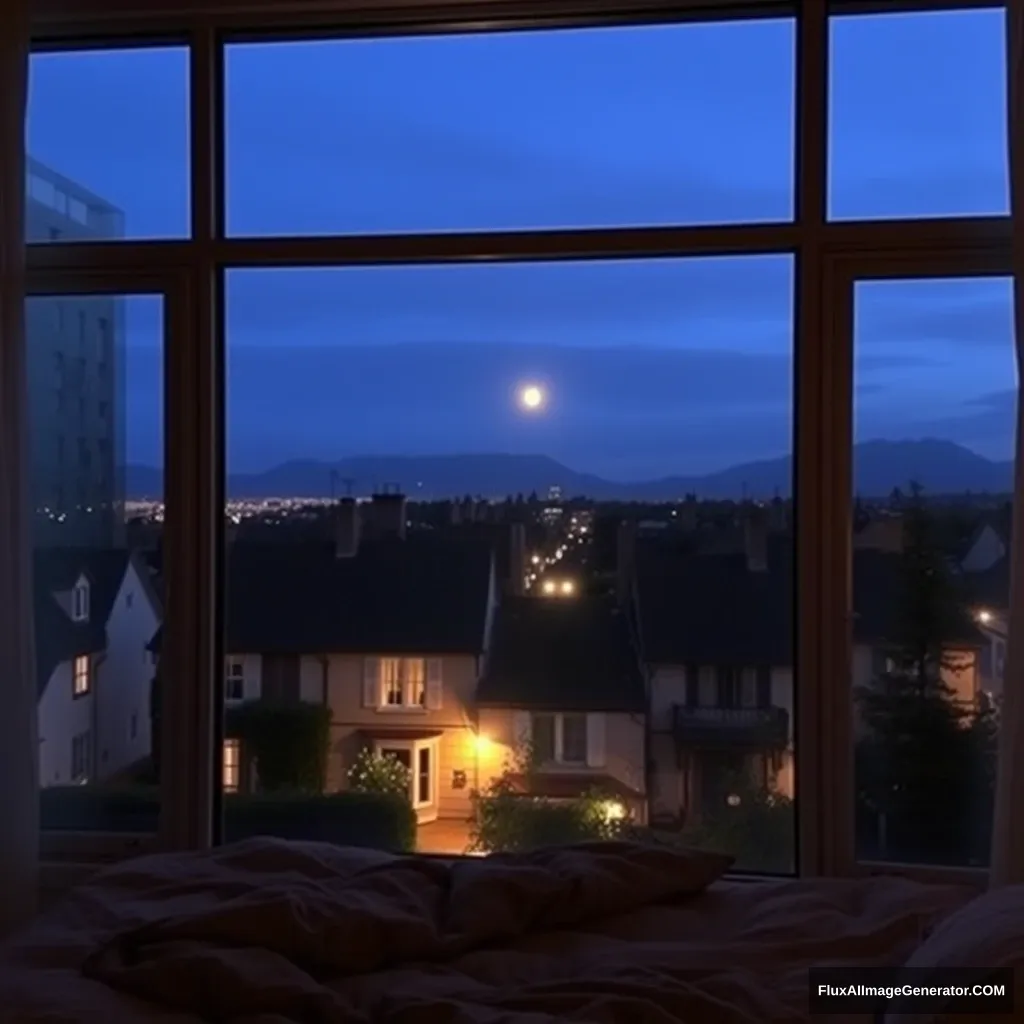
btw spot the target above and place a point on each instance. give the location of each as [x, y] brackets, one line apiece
[755, 536]
[346, 528]
[625, 560]
[517, 558]
[387, 514]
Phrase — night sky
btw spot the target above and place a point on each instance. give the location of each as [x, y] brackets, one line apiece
[652, 367]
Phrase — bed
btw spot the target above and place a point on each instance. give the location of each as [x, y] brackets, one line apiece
[268, 932]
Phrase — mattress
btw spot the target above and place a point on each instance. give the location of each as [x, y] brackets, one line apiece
[269, 932]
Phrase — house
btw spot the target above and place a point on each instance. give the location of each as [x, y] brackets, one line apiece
[989, 592]
[95, 611]
[563, 687]
[389, 632]
[990, 542]
[717, 635]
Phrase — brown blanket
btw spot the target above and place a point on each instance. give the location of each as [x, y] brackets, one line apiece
[267, 932]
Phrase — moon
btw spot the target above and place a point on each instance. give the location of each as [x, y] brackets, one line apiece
[531, 397]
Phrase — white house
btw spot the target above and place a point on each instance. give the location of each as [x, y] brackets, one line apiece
[95, 611]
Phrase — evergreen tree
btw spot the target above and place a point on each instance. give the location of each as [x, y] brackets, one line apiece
[919, 762]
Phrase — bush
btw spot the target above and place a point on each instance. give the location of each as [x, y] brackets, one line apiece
[288, 742]
[384, 775]
[345, 819]
[505, 821]
[758, 828]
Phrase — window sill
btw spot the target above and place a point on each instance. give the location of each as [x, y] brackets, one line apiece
[972, 877]
[400, 709]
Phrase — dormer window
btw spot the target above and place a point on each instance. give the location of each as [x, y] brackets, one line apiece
[80, 602]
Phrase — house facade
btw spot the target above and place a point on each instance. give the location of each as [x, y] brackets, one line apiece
[95, 613]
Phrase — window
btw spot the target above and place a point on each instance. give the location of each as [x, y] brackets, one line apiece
[432, 156]
[78, 517]
[419, 759]
[560, 739]
[935, 419]
[81, 757]
[80, 602]
[234, 679]
[231, 767]
[908, 139]
[136, 184]
[129, 599]
[399, 682]
[82, 676]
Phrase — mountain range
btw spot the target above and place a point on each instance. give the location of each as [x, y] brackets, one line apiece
[940, 467]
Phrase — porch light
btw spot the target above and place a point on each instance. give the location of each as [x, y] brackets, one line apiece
[568, 588]
[549, 586]
[984, 616]
[733, 800]
[482, 744]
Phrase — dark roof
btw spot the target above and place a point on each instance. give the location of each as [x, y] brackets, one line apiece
[711, 609]
[565, 654]
[417, 596]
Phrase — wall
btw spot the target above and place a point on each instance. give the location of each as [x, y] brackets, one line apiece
[351, 722]
[61, 717]
[623, 754]
[124, 678]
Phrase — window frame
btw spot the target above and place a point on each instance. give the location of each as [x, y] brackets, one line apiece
[191, 810]
[558, 719]
[415, 747]
[80, 601]
[231, 662]
[81, 676]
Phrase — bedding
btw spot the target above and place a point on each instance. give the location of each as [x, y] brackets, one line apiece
[269, 932]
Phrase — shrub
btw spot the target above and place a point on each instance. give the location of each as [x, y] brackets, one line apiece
[288, 742]
[505, 821]
[384, 775]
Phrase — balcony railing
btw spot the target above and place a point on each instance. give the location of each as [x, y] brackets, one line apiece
[759, 728]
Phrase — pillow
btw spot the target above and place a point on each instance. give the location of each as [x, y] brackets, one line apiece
[986, 933]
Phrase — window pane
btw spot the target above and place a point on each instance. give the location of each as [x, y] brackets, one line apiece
[95, 413]
[689, 124]
[936, 405]
[107, 136]
[355, 539]
[918, 115]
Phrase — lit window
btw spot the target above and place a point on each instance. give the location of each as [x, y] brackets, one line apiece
[391, 682]
[80, 602]
[415, 682]
[234, 679]
[232, 760]
[82, 678]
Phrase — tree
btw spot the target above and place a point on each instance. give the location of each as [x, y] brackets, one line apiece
[919, 760]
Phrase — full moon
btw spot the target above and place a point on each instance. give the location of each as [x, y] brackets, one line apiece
[531, 397]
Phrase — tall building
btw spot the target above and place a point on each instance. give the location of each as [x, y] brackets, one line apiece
[76, 371]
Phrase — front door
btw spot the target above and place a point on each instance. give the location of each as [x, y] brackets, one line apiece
[420, 760]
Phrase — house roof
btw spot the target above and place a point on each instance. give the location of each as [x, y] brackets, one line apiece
[418, 596]
[568, 655]
[712, 609]
[992, 586]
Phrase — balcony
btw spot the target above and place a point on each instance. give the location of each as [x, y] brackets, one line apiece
[751, 728]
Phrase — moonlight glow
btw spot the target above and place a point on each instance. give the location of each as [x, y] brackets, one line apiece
[531, 397]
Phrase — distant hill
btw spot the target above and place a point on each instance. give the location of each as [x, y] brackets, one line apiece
[941, 467]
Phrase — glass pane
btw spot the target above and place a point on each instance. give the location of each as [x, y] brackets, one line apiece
[96, 440]
[689, 124]
[435, 425]
[918, 115]
[936, 394]
[107, 137]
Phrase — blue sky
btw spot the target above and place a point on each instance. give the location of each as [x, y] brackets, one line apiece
[653, 367]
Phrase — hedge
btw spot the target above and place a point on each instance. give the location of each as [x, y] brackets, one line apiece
[346, 819]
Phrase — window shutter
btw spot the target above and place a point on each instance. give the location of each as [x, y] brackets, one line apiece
[435, 684]
[371, 682]
[595, 741]
[692, 686]
[522, 727]
[253, 679]
[764, 686]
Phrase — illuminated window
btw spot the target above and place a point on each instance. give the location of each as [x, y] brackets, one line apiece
[415, 681]
[391, 682]
[82, 677]
[232, 761]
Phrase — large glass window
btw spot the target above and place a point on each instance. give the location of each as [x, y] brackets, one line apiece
[596, 426]
[96, 448]
[686, 124]
[107, 137]
[936, 409]
[918, 115]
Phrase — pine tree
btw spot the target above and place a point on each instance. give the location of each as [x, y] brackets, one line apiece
[917, 764]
